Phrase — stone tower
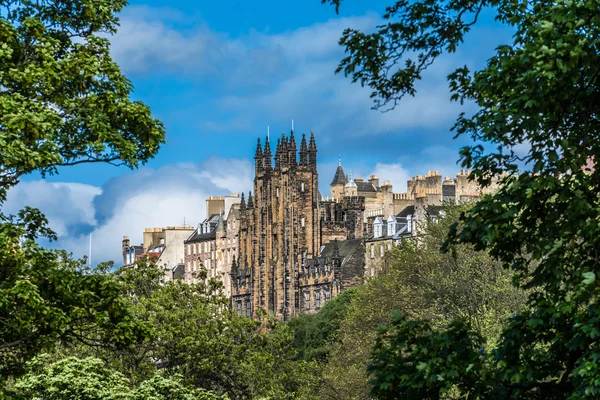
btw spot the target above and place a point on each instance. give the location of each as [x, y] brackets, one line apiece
[338, 183]
[279, 226]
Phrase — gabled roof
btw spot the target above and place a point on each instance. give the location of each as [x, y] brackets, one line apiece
[340, 177]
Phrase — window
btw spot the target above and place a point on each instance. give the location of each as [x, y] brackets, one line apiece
[317, 300]
[248, 308]
[277, 192]
[303, 222]
[302, 187]
[239, 307]
[307, 301]
[327, 295]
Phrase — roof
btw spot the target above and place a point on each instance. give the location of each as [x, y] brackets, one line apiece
[202, 237]
[365, 187]
[401, 229]
[345, 248]
[340, 177]
[408, 210]
[434, 210]
[179, 271]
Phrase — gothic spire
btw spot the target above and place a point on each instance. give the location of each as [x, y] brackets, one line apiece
[258, 158]
[303, 151]
[292, 149]
[278, 154]
[312, 150]
[267, 155]
[243, 203]
[250, 203]
[258, 153]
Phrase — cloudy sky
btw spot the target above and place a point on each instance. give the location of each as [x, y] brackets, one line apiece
[216, 74]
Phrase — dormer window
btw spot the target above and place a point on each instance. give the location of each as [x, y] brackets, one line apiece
[377, 228]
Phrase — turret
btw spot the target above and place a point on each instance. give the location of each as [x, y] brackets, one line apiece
[284, 151]
[292, 150]
[312, 151]
[278, 154]
[303, 151]
[267, 157]
[250, 203]
[242, 205]
[258, 159]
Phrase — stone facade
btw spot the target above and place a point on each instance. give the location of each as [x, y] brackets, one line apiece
[282, 229]
[214, 244]
[164, 245]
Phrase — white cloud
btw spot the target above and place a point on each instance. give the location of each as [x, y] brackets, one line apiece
[65, 204]
[128, 204]
[394, 173]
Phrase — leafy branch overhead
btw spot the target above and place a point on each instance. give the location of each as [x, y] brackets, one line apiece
[391, 59]
[63, 100]
[536, 125]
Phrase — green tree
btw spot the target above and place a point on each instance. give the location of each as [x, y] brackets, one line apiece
[63, 101]
[315, 334]
[425, 284]
[89, 378]
[539, 93]
[198, 336]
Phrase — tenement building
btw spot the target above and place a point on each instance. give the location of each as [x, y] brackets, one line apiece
[295, 250]
[214, 246]
[164, 246]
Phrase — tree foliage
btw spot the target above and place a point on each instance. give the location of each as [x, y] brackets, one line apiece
[197, 335]
[539, 93]
[315, 334]
[63, 100]
[89, 378]
[425, 285]
[45, 296]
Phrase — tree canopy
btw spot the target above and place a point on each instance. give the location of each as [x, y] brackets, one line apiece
[425, 285]
[539, 93]
[63, 101]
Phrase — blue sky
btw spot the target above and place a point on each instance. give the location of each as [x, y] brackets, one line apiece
[216, 74]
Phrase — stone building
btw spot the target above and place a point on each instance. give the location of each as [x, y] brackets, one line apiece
[282, 231]
[201, 249]
[164, 245]
[214, 244]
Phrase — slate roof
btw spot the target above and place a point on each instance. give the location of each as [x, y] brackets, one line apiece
[346, 249]
[202, 237]
[365, 187]
[409, 210]
[340, 177]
